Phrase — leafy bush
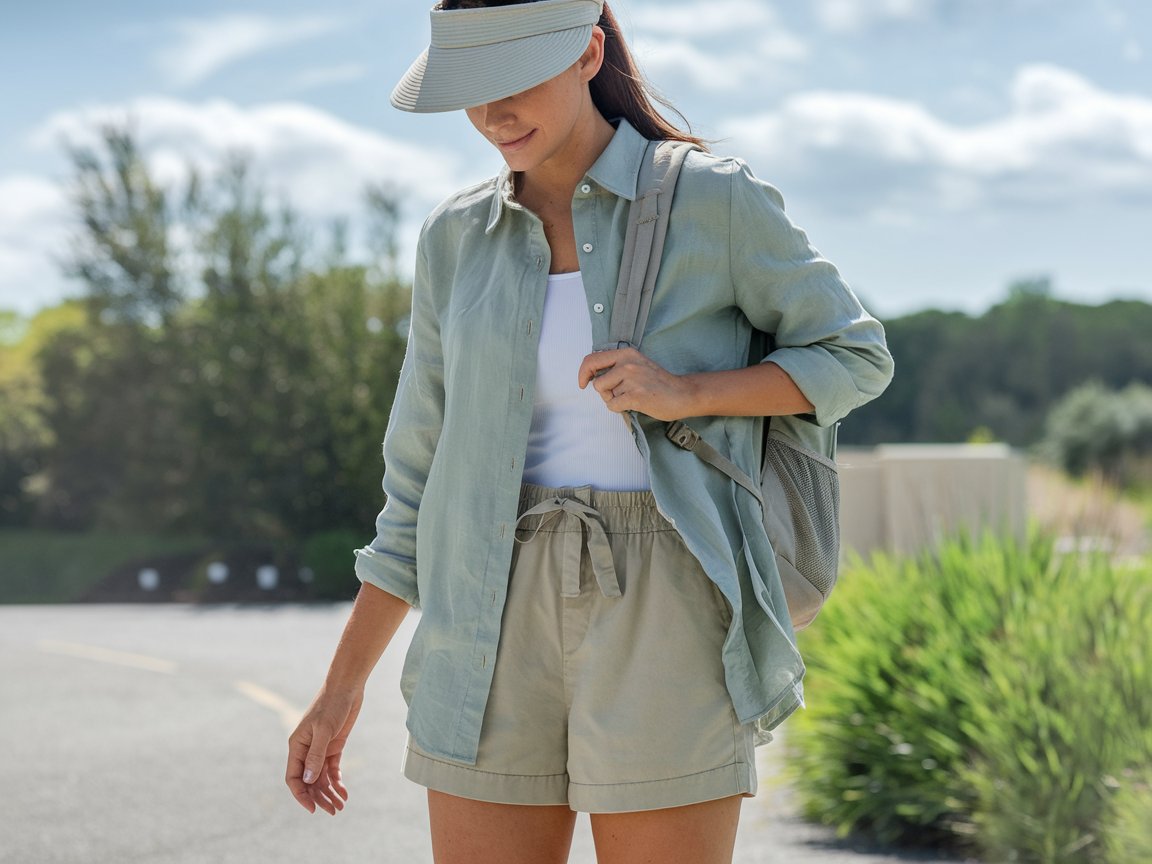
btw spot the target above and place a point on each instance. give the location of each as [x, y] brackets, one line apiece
[1128, 837]
[980, 694]
[55, 567]
[1094, 429]
[329, 556]
[1065, 701]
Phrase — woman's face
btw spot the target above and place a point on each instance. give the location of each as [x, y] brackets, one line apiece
[534, 126]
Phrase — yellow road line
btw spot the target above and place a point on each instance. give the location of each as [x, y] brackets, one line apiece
[289, 715]
[107, 655]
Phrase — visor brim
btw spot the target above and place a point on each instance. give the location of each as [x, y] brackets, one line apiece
[444, 79]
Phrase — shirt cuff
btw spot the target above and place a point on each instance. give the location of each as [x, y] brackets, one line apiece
[388, 574]
[821, 378]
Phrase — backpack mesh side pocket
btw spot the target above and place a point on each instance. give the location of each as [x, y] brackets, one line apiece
[802, 509]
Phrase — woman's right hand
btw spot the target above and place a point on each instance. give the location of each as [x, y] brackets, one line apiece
[315, 748]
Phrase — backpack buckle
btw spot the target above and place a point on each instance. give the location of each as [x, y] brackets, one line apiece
[683, 436]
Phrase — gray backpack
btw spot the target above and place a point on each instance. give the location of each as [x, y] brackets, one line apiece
[798, 486]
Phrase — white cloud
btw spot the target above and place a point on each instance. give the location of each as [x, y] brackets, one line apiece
[1062, 141]
[315, 161]
[323, 76]
[319, 161]
[32, 230]
[733, 41]
[857, 14]
[690, 20]
[203, 46]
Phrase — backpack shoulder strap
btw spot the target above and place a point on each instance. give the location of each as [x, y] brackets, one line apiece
[644, 240]
[639, 266]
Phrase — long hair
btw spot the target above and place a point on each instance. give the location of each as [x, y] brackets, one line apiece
[619, 89]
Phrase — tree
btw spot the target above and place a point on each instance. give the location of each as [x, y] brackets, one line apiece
[231, 378]
[1109, 432]
[24, 432]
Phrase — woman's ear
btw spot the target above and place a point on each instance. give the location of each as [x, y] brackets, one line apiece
[593, 57]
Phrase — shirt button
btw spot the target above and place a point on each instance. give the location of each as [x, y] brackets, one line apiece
[598, 308]
[587, 247]
[585, 188]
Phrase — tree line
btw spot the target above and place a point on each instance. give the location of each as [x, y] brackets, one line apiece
[999, 375]
[228, 371]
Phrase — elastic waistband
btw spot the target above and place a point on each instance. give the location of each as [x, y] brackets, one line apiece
[620, 512]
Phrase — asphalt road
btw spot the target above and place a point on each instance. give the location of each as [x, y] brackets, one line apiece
[157, 734]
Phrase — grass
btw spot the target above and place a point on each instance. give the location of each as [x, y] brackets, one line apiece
[1090, 509]
[54, 567]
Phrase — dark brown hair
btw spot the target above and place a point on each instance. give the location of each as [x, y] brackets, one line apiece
[619, 89]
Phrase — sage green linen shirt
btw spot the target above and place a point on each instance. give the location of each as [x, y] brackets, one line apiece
[458, 432]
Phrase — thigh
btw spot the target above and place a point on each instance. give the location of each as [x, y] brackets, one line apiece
[702, 833]
[478, 832]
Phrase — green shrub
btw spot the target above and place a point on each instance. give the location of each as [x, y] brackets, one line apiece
[329, 556]
[980, 694]
[1064, 704]
[38, 566]
[1128, 834]
[1094, 429]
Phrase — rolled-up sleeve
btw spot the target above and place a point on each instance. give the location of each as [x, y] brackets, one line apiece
[414, 426]
[823, 338]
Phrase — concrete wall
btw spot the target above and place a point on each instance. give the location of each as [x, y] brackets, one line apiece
[906, 497]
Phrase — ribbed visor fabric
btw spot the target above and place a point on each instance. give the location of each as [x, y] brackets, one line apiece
[482, 55]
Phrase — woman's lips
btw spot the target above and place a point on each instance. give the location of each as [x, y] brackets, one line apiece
[515, 144]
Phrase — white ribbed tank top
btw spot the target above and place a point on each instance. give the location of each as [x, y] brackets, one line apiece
[575, 440]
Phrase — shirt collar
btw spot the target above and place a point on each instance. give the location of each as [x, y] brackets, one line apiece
[617, 170]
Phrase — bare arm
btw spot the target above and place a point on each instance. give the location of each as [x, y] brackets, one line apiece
[629, 381]
[316, 745]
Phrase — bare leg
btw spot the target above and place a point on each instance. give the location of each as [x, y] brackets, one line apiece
[478, 832]
[696, 834]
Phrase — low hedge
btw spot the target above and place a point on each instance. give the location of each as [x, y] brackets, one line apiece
[40, 566]
[330, 557]
[986, 695]
[43, 566]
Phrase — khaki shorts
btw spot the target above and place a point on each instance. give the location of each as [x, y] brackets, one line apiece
[608, 693]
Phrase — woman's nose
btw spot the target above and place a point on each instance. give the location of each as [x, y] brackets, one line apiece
[497, 114]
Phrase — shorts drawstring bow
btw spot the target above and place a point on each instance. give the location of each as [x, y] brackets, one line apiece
[599, 550]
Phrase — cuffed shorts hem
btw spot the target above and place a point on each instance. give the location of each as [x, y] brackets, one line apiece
[464, 781]
[468, 782]
[736, 779]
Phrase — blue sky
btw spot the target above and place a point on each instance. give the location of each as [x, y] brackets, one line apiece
[934, 149]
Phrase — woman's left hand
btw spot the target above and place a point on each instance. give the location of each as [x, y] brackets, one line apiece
[628, 381]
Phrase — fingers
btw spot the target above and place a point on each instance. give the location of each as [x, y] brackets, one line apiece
[628, 381]
[315, 748]
[294, 776]
[327, 791]
[334, 776]
[598, 361]
[317, 753]
[608, 381]
[614, 374]
[319, 786]
[324, 794]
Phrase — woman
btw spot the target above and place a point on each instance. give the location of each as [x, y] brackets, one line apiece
[603, 627]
